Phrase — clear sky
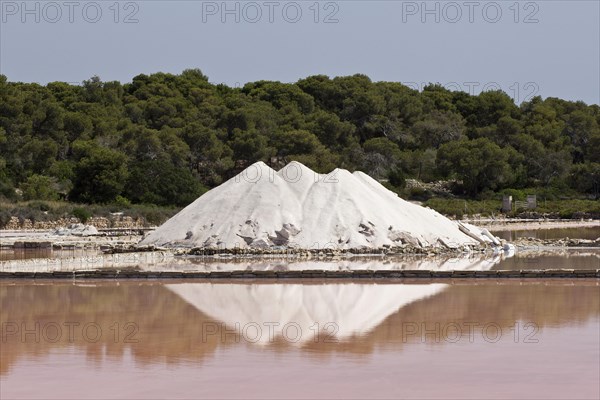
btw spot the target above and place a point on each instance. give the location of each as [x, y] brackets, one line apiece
[550, 48]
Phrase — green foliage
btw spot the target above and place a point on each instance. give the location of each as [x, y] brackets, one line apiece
[39, 205]
[249, 145]
[7, 191]
[100, 173]
[480, 164]
[53, 210]
[516, 194]
[460, 207]
[585, 178]
[397, 179]
[573, 208]
[122, 201]
[439, 127]
[159, 182]
[39, 187]
[151, 214]
[83, 214]
[6, 188]
[418, 194]
[164, 138]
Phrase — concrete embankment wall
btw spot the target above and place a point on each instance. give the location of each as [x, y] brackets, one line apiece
[313, 275]
[112, 262]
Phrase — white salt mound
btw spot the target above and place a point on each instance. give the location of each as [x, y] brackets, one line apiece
[298, 208]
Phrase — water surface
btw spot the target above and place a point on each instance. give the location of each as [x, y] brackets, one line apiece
[28, 254]
[470, 339]
[555, 233]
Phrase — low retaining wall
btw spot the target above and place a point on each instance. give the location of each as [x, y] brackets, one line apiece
[356, 274]
[100, 262]
[116, 221]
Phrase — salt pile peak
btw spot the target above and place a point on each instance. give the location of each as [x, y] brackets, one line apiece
[296, 207]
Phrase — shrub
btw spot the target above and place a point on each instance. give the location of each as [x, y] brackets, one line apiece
[5, 216]
[82, 214]
[39, 205]
[417, 193]
[122, 201]
[7, 190]
[397, 178]
[39, 187]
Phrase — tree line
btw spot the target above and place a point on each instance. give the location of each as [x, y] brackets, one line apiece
[164, 139]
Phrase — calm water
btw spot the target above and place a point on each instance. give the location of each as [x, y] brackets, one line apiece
[476, 339]
[573, 233]
[551, 259]
[522, 259]
[26, 254]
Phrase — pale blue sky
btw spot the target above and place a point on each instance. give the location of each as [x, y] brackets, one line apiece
[559, 55]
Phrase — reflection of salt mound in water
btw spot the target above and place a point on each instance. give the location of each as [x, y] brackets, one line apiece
[296, 207]
[471, 262]
[355, 309]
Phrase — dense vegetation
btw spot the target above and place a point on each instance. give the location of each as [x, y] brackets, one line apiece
[164, 139]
